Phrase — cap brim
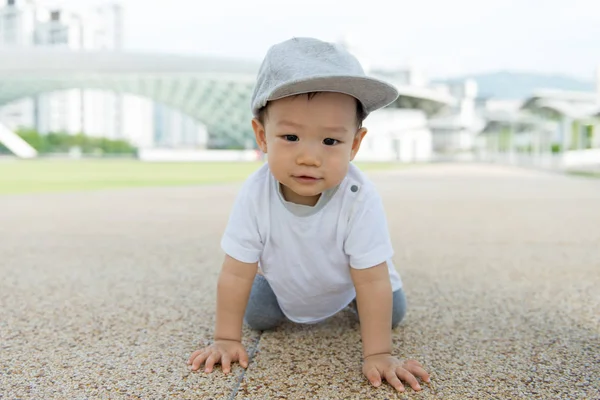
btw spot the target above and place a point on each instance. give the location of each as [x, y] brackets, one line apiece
[372, 93]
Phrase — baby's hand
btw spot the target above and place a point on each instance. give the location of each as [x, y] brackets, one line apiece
[224, 351]
[386, 366]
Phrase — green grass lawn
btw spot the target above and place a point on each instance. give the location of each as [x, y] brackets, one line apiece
[586, 174]
[36, 176]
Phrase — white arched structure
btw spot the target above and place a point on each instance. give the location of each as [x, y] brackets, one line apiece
[215, 91]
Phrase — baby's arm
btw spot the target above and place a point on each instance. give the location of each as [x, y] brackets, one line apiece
[233, 290]
[242, 244]
[374, 302]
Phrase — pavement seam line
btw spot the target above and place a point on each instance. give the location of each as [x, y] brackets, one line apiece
[251, 354]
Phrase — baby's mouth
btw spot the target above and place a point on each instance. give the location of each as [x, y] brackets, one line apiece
[306, 178]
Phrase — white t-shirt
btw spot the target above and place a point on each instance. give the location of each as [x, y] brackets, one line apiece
[305, 253]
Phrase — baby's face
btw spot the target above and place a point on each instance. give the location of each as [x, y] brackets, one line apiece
[310, 143]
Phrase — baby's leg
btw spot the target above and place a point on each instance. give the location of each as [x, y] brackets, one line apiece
[263, 312]
[398, 307]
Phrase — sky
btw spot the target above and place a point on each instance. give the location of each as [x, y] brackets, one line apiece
[444, 38]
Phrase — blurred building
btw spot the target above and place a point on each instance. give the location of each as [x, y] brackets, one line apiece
[400, 132]
[455, 130]
[174, 129]
[550, 128]
[449, 127]
[76, 110]
[396, 134]
[18, 22]
[100, 113]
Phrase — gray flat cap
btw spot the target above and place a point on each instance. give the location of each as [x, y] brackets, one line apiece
[303, 65]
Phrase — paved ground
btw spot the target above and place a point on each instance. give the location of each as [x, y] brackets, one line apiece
[104, 295]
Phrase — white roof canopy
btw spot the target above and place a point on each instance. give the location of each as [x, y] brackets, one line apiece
[576, 105]
[216, 91]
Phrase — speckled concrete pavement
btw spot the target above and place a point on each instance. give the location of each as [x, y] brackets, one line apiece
[105, 295]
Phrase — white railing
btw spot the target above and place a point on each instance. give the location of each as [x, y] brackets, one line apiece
[572, 159]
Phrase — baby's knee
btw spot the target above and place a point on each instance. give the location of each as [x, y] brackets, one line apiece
[399, 308]
[262, 312]
[261, 322]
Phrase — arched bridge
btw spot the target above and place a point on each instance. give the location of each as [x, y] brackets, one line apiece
[215, 91]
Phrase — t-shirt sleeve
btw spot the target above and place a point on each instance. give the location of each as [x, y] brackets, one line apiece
[241, 239]
[368, 240]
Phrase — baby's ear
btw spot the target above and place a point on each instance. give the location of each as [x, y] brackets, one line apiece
[358, 137]
[260, 134]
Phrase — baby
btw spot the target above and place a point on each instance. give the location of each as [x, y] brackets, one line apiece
[307, 235]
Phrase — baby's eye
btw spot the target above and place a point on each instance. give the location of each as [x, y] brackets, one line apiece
[290, 138]
[330, 141]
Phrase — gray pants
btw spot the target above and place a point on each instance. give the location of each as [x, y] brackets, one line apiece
[263, 312]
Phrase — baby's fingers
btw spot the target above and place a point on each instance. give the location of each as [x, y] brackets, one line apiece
[199, 358]
[416, 369]
[408, 378]
[193, 356]
[243, 357]
[392, 378]
[373, 376]
[211, 361]
[226, 363]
